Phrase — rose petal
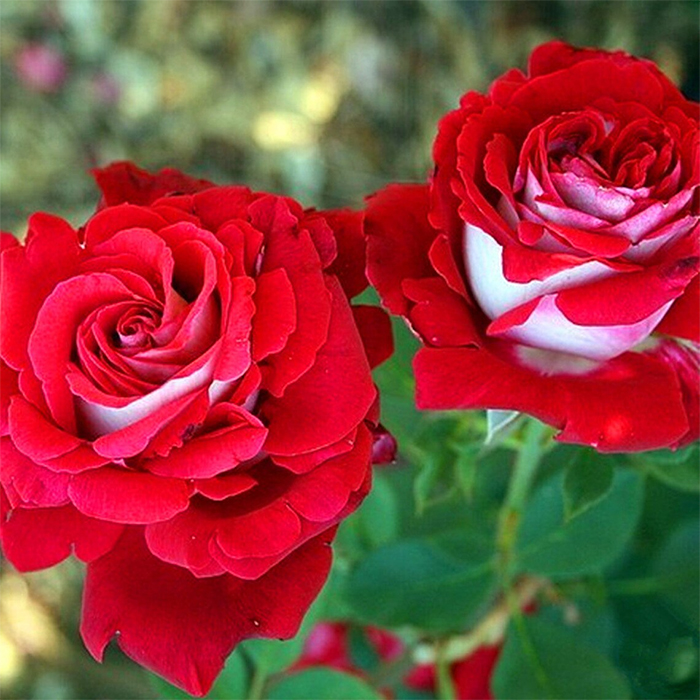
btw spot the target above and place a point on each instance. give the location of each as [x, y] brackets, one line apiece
[398, 238]
[275, 313]
[308, 416]
[36, 538]
[122, 182]
[214, 452]
[122, 496]
[375, 330]
[33, 484]
[629, 404]
[193, 625]
[495, 292]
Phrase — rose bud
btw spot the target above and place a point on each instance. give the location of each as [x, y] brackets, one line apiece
[551, 265]
[41, 68]
[471, 676]
[188, 407]
[329, 645]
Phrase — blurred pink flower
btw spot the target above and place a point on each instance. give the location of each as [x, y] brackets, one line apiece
[40, 67]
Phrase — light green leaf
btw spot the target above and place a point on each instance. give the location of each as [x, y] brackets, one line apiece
[587, 480]
[321, 684]
[432, 583]
[550, 545]
[542, 660]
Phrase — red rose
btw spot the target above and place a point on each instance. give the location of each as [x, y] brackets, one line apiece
[187, 406]
[551, 266]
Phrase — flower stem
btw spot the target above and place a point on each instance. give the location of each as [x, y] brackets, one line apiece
[524, 471]
[445, 685]
[257, 684]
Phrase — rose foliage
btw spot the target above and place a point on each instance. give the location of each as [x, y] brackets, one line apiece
[188, 407]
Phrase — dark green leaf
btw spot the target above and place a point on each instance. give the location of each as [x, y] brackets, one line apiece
[542, 660]
[375, 523]
[680, 469]
[434, 584]
[551, 546]
[321, 684]
[678, 565]
[586, 481]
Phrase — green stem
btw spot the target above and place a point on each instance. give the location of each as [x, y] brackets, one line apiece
[257, 684]
[445, 685]
[524, 471]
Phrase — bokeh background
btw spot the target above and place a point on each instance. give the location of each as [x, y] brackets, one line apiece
[326, 101]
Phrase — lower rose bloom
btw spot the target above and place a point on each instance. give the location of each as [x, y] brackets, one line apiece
[187, 406]
[329, 644]
[551, 265]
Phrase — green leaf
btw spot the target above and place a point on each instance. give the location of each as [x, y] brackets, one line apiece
[550, 545]
[376, 522]
[677, 564]
[434, 482]
[432, 583]
[586, 481]
[320, 684]
[542, 660]
[680, 469]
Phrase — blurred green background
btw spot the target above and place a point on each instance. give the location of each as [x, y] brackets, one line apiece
[324, 101]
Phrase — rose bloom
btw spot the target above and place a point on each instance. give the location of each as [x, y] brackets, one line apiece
[187, 407]
[551, 265]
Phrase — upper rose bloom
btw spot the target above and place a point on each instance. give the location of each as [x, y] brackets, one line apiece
[187, 405]
[551, 266]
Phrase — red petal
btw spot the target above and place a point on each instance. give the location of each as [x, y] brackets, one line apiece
[628, 404]
[36, 538]
[53, 338]
[349, 265]
[375, 330]
[123, 182]
[120, 218]
[33, 484]
[398, 239]
[331, 398]
[683, 320]
[440, 316]
[275, 313]
[636, 295]
[214, 452]
[39, 439]
[235, 342]
[9, 386]
[192, 625]
[27, 275]
[297, 254]
[122, 496]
